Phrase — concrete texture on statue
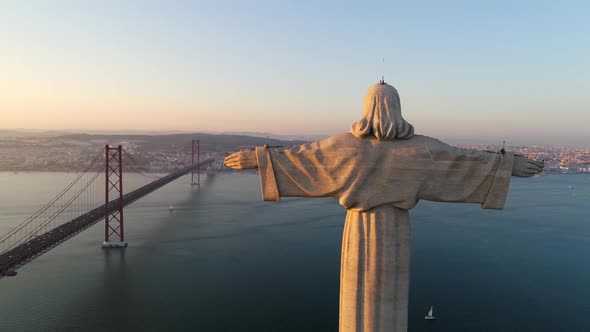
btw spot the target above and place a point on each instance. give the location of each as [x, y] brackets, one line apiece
[378, 172]
[378, 182]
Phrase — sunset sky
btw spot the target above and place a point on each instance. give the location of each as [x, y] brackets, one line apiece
[492, 69]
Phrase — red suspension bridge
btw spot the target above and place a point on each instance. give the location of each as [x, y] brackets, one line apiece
[77, 207]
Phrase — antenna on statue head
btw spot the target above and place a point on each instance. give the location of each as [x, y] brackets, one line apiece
[382, 70]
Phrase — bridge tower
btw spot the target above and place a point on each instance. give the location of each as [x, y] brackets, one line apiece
[196, 152]
[113, 230]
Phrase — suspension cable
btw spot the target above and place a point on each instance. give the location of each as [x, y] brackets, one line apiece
[39, 227]
[50, 203]
[146, 172]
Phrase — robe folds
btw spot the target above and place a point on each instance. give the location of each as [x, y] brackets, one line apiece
[378, 182]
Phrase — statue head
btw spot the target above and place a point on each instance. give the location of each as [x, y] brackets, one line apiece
[382, 115]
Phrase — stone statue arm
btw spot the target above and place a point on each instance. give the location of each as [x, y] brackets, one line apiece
[525, 167]
[243, 159]
[246, 159]
[296, 171]
[470, 176]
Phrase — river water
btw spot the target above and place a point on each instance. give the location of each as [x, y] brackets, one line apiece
[223, 260]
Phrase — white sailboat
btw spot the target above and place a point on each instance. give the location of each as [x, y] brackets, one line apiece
[429, 316]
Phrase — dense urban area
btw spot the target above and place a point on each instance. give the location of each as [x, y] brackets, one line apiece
[557, 159]
[165, 153]
[152, 153]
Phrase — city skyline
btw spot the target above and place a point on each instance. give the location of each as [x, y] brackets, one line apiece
[465, 137]
[499, 71]
[70, 152]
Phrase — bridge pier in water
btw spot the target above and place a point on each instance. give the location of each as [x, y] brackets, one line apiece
[114, 188]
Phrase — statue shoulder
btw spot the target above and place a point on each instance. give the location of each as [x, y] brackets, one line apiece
[348, 139]
[340, 139]
[332, 142]
[431, 143]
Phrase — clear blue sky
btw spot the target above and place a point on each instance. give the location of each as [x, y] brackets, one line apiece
[497, 69]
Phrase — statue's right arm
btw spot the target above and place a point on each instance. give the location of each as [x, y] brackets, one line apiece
[525, 167]
[243, 159]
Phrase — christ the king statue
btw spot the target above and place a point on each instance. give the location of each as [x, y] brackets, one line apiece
[378, 172]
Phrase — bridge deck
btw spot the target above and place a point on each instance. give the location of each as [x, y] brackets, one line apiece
[38, 245]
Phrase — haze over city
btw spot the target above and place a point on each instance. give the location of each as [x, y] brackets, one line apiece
[501, 70]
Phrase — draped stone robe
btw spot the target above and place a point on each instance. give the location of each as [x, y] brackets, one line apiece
[378, 182]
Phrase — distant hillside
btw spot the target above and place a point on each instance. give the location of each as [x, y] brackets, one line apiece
[209, 142]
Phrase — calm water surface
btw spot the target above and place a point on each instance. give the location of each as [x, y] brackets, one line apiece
[225, 261]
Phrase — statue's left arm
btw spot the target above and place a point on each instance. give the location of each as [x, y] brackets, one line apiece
[307, 170]
[471, 176]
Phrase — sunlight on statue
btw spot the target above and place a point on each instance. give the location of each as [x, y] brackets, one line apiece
[378, 172]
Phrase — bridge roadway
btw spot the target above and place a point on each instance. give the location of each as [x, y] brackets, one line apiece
[38, 245]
